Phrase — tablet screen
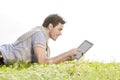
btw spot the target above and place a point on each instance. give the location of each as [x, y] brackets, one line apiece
[84, 47]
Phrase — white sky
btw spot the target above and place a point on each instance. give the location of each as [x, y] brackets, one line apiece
[95, 20]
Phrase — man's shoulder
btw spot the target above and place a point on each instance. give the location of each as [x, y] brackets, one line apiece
[38, 33]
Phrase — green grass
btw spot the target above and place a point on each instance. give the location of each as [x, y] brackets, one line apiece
[72, 70]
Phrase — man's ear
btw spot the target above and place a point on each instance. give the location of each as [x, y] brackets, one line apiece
[50, 26]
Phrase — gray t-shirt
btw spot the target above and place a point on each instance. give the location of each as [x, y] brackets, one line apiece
[23, 51]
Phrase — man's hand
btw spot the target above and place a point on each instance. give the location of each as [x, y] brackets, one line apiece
[73, 52]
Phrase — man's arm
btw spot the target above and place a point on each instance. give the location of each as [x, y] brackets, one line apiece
[42, 58]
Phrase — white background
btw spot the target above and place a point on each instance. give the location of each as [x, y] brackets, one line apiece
[95, 20]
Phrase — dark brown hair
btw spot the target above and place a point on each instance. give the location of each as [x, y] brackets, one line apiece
[54, 19]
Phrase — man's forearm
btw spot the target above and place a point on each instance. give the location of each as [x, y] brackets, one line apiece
[60, 58]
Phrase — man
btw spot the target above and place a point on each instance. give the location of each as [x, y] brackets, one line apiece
[33, 45]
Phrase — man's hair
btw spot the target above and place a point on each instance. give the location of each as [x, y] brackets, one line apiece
[53, 19]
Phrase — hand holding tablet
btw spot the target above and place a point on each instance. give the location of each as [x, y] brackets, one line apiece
[83, 48]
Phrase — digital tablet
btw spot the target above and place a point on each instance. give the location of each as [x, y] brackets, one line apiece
[84, 47]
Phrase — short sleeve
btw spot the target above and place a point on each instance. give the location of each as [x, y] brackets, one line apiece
[39, 39]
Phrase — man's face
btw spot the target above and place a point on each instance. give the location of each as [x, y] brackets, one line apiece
[56, 31]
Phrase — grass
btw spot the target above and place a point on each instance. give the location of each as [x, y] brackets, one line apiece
[72, 70]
